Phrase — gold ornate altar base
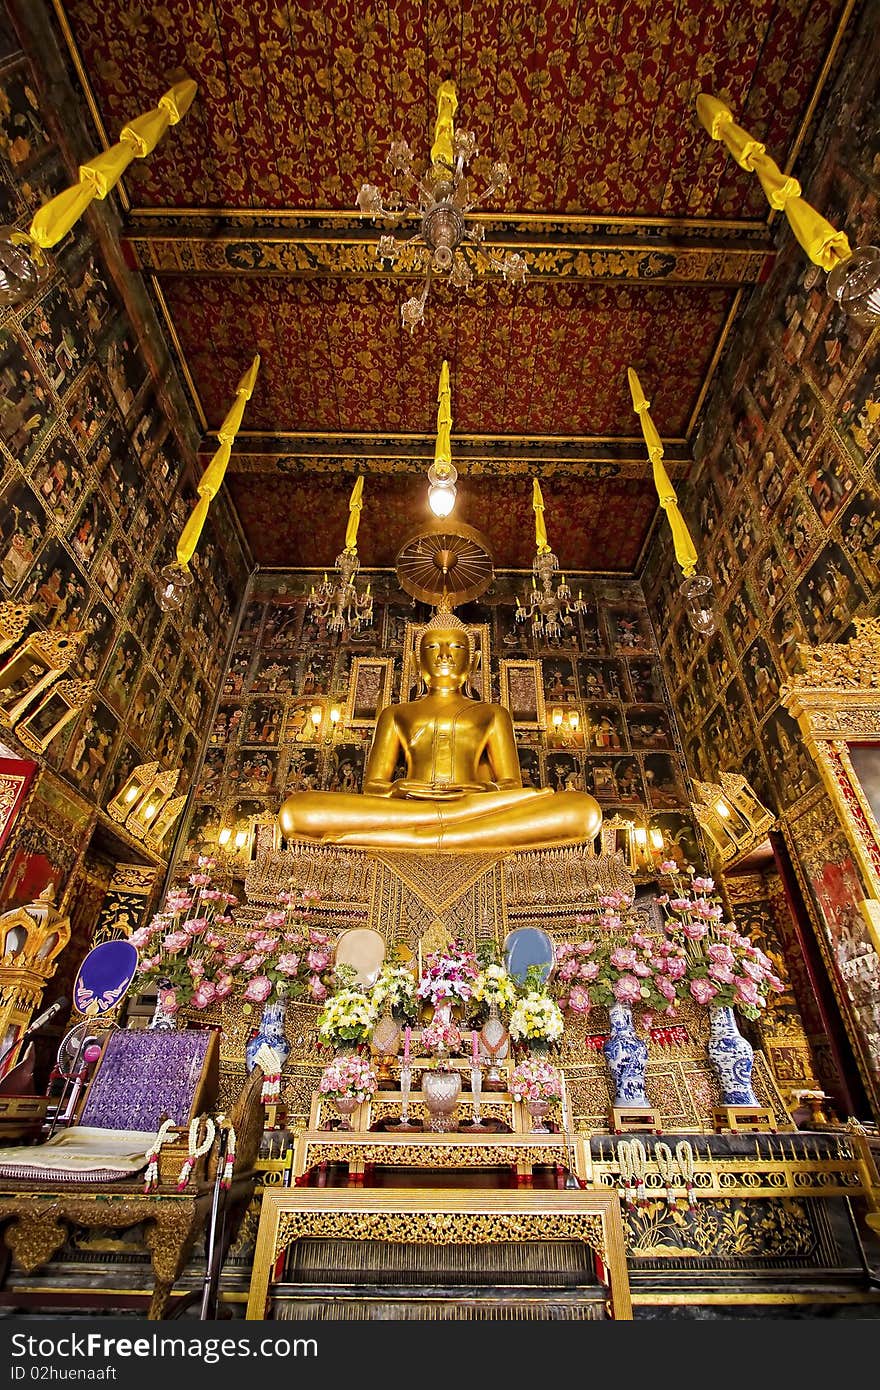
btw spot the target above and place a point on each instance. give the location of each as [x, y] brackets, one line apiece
[406, 895]
[412, 898]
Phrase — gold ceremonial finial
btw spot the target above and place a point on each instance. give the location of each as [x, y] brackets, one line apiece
[442, 151]
[540, 528]
[825, 246]
[354, 514]
[96, 178]
[685, 551]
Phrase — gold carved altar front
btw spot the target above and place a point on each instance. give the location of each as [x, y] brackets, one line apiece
[412, 898]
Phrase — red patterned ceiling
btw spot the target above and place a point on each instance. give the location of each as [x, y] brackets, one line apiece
[299, 521]
[591, 103]
[547, 362]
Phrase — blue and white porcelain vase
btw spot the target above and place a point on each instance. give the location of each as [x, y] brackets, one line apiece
[626, 1055]
[270, 1031]
[731, 1055]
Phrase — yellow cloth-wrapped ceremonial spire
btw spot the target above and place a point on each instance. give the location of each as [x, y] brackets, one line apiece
[685, 551]
[354, 514]
[101, 173]
[540, 528]
[442, 150]
[443, 446]
[212, 478]
[825, 246]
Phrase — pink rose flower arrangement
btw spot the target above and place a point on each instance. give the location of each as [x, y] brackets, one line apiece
[534, 1079]
[181, 948]
[348, 1076]
[721, 966]
[281, 956]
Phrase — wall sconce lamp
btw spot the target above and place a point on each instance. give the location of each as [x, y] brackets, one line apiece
[731, 815]
[565, 724]
[225, 836]
[138, 781]
[22, 264]
[335, 715]
[241, 839]
[317, 718]
[853, 276]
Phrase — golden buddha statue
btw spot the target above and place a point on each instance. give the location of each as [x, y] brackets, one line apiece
[462, 789]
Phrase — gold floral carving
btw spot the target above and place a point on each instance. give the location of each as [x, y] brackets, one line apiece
[836, 666]
[442, 1227]
[430, 1155]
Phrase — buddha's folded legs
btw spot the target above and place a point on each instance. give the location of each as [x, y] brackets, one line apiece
[346, 818]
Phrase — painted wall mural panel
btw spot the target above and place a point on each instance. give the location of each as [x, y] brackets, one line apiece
[90, 471]
[785, 506]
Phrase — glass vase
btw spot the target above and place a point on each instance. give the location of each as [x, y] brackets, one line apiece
[626, 1055]
[538, 1110]
[732, 1057]
[494, 1045]
[346, 1105]
[440, 1091]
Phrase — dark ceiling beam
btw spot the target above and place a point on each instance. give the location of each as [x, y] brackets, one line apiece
[730, 255]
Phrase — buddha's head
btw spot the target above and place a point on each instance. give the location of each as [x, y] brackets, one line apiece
[445, 652]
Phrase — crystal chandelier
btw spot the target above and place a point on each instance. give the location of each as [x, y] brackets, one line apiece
[549, 609]
[337, 600]
[445, 244]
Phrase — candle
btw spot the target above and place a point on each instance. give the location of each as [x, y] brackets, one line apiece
[474, 1045]
[563, 1100]
[406, 1033]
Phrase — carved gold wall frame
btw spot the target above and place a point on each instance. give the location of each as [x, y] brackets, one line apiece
[39, 661]
[355, 717]
[14, 618]
[61, 703]
[440, 1217]
[513, 668]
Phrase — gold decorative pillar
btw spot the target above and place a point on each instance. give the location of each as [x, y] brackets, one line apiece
[31, 940]
[836, 701]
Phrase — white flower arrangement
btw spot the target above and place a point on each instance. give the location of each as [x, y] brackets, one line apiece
[537, 1017]
[348, 1017]
[493, 985]
[395, 986]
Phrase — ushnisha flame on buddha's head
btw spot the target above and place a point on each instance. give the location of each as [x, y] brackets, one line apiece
[462, 789]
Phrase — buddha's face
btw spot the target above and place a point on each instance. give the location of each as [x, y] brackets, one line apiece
[444, 658]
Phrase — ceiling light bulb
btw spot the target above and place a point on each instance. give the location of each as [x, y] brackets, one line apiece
[441, 500]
